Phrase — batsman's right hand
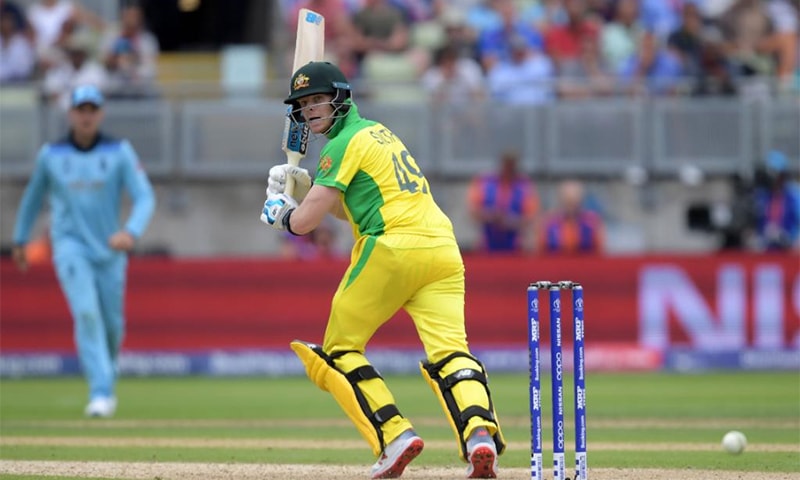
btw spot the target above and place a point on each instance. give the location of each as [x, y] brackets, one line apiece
[277, 180]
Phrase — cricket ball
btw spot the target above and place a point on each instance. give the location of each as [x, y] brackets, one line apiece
[734, 442]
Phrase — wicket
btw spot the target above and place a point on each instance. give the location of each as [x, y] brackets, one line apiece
[557, 384]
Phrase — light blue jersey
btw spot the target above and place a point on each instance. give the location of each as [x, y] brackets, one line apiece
[84, 189]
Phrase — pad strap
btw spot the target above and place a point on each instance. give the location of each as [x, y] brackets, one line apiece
[383, 414]
[359, 374]
[460, 418]
[464, 374]
[348, 389]
[477, 411]
[365, 372]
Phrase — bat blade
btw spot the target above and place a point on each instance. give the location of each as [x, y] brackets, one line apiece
[309, 47]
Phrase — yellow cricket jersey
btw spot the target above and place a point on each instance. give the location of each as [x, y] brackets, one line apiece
[383, 189]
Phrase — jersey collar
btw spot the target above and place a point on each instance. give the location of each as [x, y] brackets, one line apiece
[351, 117]
[71, 140]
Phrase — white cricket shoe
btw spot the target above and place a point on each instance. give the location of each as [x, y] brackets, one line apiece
[397, 455]
[103, 407]
[482, 455]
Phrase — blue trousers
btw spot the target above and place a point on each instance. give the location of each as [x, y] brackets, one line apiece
[95, 294]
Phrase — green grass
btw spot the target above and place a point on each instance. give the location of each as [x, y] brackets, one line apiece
[630, 416]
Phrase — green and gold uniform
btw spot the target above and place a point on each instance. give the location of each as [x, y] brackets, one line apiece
[405, 256]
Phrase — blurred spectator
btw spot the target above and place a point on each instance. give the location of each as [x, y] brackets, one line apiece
[130, 54]
[761, 37]
[687, 39]
[495, 43]
[319, 244]
[657, 68]
[17, 56]
[543, 14]
[454, 79]
[702, 58]
[601, 10]
[565, 43]
[777, 206]
[654, 70]
[571, 227]
[458, 33]
[620, 38]
[716, 77]
[415, 10]
[661, 17]
[18, 15]
[484, 16]
[78, 67]
[783, 42]
[526, 78]
[53, 22]
[504, 204]
[380, 27]
[588, 77]
[701, 54]
[460, 5]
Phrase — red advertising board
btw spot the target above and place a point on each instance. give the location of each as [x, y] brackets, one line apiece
[720, 301]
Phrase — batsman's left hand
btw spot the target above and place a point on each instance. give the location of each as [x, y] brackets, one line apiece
[276, 210]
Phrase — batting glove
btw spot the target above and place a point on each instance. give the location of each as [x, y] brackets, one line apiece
[277, 209]
[277, 180]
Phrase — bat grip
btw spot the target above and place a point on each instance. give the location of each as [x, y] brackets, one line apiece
[292, 158]
[289, 190]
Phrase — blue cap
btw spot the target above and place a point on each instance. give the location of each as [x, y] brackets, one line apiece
[86, 94]
[777, 161]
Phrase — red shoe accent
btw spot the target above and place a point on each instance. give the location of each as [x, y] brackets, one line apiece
[483, 460]
[410, 453]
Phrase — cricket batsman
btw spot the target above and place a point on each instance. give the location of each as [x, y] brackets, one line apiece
[405, 256]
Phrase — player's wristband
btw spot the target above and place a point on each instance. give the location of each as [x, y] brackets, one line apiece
[287, 224]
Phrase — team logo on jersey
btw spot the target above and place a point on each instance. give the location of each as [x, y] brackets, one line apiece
[325, 164]
[300, 81]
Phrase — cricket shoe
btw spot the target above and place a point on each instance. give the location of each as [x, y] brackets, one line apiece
[482, 455]
[397, 455]
[103, 407]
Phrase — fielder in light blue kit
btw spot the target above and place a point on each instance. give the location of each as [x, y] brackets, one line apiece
[83, 178]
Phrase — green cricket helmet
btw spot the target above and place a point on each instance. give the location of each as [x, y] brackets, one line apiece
[318, 77]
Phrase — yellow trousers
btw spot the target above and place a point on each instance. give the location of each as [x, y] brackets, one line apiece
[423, 276]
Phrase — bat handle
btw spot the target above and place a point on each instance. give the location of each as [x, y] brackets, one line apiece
[292, 158]
[289, 190]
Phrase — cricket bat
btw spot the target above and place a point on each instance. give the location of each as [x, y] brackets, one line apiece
[309, 47]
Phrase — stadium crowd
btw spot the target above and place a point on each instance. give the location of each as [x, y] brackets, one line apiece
[62, 44]
[515, 51]
[534, 51]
